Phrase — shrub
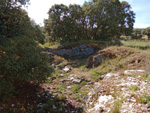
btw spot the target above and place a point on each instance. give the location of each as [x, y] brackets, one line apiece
[21, 59]
[78, 86]
[134, 88]
[145, 99]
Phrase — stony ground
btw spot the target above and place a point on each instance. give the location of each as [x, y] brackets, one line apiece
[116, 81]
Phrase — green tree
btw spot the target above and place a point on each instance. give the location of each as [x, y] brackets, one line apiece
[97, 19]
[147, 32]
[20, 56]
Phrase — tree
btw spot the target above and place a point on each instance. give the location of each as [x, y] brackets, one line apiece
[147, 32]
[20, 56]
[97, 19]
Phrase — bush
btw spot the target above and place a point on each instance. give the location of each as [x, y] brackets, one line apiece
[21, 59]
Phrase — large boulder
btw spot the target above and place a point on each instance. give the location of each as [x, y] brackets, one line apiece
[94, 61]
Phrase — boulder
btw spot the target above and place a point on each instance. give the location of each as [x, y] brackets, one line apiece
[94, 61]
[132, 72]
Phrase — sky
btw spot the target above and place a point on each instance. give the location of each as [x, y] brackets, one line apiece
[38, 9]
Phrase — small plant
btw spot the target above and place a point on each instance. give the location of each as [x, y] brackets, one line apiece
[134, 88]
[78, 86]
[81, 94]
[96, 75]
[145, 99]
[60, 88]
[117, 105]
[62, 97]
[146, 76]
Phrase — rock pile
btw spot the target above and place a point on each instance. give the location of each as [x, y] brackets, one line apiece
[75, 51]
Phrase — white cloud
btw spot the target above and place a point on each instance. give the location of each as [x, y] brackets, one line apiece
[141, 25]
[38, 9]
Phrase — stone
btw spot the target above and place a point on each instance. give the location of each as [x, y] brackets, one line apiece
[98, 59]
[54, 107]
[77, 81]
[94, 61]
[75, 51]
[66, 69]
[61, 75]
[110, 75]
[131, 72]
[1, 108]
[12, 105]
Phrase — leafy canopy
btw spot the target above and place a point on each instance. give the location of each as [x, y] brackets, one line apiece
[97, 19]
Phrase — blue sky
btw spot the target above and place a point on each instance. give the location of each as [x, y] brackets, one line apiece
[38, 9]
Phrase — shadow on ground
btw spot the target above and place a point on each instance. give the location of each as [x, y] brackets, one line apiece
[32, 98]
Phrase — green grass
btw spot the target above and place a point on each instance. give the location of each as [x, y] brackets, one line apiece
[81, 94]
[117, 105]
[95, 74]
[60, 88]
[134, 88]
[147, 77]
[145, 99]
[78, 86]
[141, 44]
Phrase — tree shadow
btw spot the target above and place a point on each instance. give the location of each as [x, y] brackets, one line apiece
[33, 98]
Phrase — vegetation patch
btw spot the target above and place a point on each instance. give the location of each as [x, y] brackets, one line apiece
[145, 99]
[134, 88]
[78, 86]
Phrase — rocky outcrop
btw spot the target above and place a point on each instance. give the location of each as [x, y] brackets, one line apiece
[94, 61]
[75, 51]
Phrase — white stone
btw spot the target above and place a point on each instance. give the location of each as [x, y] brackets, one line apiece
[12, 105]
[130, 72]
[61, 75]
[54, 107]
[66, 69]
[111, 74]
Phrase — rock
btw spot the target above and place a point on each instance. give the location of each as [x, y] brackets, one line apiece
[77, 81]
[54, 107]
[61, 75]
[131, 72]
[94, 61]
[110, 75]
[12, 105]
[40, 105]
[97, 59]
[1, 108]
[75, 51]
[68, 87]
[66, 69]
[101, 103]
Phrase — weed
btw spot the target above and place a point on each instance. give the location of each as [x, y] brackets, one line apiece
[78, 86]
[70, 93]
[60, 88]
[146, 76]
[134, 88]
[81, 94]
[145, 99]
[95, 75]
[62, 97]
[116, 108]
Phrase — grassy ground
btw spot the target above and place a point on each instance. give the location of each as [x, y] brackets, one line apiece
[141, 44]
[126, 58]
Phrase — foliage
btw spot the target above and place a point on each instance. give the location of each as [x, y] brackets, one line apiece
[60, 88]
[117, 107]
[78, 86]
[99, 20]
[145, 99]
[95, 75]
[20, 56]
[147, 31]
[134, 88]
